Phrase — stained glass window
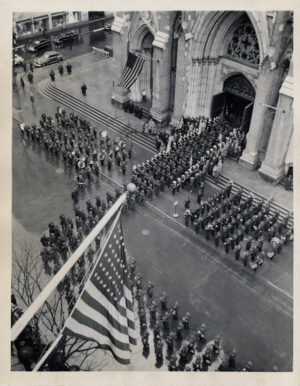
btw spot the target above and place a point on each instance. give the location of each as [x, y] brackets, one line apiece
[244, 45]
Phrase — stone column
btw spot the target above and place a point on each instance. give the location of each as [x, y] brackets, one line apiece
[135, 92]
[268, 85]
[50, 20]
[208, 95]
[272, 168]
[120, 50]
[161, 85]
[194, 85]
[181, 81]
[267, 92]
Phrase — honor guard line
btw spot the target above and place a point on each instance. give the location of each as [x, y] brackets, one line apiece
[21, 323]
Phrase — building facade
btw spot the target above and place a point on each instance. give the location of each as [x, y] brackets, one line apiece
[211, 63]
[27, 24]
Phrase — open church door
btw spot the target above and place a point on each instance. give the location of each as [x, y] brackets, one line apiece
[247, 117]
[218, 104]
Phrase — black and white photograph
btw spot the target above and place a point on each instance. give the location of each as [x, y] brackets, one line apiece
[152, 214]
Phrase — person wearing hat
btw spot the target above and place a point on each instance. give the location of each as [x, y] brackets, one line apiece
[83, 89]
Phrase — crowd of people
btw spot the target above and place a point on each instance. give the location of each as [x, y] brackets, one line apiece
[195, 148]
[186, 347]
[133, 108]
[78, 144]
[243, 226]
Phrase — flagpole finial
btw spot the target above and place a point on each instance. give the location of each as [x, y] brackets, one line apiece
[131, 187]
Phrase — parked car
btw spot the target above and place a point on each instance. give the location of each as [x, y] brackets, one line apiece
[48, 57]
[38, 45]
[17, 60]
[70, 35]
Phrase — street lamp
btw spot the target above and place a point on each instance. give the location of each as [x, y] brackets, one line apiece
[104, 134]
[175, 209]
[131, 187]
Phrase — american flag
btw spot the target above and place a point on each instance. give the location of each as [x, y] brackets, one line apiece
[104, 311]
[131, 71]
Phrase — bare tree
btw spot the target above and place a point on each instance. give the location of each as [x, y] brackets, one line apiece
[28, 280]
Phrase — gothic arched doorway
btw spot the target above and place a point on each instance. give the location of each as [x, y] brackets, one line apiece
[236, 101]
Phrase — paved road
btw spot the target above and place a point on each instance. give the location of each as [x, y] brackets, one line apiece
[249, 315]
[87, 40]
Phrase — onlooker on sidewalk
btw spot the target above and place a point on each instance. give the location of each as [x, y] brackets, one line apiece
[83, 89]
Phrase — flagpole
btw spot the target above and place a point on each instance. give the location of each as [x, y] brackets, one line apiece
[51, 348]
[22, 322]
[144, 56]
[48, 352]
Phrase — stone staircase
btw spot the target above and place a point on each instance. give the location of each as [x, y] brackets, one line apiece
[48, 89]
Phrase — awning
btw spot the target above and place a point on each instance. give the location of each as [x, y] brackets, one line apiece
[58, 14]
[40, 18]
[24, 21]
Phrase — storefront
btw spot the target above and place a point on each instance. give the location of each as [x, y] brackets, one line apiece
[24, 27]
[41, 23]
[59, 19]
[74, 17]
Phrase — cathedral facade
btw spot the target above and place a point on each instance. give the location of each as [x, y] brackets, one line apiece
[211, 63]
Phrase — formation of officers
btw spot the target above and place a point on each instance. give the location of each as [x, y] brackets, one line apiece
[174, 337]
[196, 148]
[78, 144]
[246, 227]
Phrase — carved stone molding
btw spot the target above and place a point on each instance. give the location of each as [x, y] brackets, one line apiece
[207, 59]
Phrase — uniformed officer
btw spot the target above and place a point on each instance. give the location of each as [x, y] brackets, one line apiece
[232, 359]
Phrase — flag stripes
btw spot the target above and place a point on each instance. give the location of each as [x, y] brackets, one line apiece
[131, 71]
[79, 331]
[104, 311]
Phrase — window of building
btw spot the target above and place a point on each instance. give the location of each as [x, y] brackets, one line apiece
[244, 44]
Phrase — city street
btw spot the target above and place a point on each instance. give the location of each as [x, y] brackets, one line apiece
[251, 312]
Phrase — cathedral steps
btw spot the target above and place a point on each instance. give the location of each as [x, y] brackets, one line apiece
[48, 89]
[221, 181]
[98, 116]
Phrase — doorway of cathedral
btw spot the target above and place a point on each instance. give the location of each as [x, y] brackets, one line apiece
[236, 101]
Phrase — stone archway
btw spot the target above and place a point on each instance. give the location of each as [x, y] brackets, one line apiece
[213, 32]
[211, 28]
